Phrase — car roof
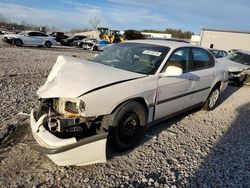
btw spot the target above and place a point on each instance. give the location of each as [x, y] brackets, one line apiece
[34, 31]
[166, 43]
[216, 49]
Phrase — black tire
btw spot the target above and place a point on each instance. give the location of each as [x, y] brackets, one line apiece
[128, 127]
[80, 45]
[18, 42]
[240, 81]
[212, 99]
[48, 44]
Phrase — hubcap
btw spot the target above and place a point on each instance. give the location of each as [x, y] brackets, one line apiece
[213, 98]
[129, 127]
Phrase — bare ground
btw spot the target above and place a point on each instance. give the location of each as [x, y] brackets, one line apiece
[197, 149]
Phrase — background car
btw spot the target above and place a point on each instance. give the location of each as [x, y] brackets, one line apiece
[59, 36]
[69, 41]
[92, 44]
[218, 53]
[238, 63]
[2, 31]
[118, 94]
[30, 38]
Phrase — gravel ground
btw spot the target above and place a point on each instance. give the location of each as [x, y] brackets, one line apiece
[197, 149]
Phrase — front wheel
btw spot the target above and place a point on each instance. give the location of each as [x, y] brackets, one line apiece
[18, 42]
[48, 44]
[212, 99]
[128, 126]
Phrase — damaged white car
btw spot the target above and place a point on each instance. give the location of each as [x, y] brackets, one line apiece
[118, 94]
[238, 64]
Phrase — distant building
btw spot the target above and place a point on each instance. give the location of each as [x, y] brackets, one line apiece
[225, 39]
[195, 39]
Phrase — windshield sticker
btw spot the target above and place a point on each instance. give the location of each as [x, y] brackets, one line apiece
[150, 52]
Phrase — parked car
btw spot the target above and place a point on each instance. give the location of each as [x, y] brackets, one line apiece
[2, 31]
[92, 44]
[69, 41]
[118, 94]
[30, 38]
[59, 36]
[218, 53]
[238, 63]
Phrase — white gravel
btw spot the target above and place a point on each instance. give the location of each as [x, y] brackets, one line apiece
[197, 149]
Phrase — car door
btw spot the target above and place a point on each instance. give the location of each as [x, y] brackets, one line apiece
[29, 39]
[175, 93]
[203, 70]
[41, 38]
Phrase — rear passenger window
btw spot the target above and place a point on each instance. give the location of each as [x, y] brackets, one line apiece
[201, 59]
[32, 34]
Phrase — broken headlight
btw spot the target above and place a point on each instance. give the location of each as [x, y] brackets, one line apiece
[70, 107]
[74, 107]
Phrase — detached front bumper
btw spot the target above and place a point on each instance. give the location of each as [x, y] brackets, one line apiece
[65, 152]
[242, 77]
[8, 40]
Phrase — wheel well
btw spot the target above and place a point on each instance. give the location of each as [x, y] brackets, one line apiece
[218, 84]
[108, 119]
[139, 100]
[15, 39]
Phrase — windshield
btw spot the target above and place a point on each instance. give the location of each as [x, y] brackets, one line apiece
[240, 57]
[22, 33]
[134, 57]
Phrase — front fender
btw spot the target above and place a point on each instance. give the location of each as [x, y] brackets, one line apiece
[105, 100]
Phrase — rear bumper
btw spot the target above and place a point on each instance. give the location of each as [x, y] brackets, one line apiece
[65, 152]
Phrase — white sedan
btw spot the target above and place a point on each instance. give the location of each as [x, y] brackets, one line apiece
[238, 64]
[30, 38]
[118, 94]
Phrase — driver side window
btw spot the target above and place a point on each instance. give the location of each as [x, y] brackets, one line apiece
[180, 58]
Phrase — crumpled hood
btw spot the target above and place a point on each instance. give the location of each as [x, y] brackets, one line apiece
[71, 77]
[233, 66]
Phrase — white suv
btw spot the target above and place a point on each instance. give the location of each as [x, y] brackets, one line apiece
[118, 94]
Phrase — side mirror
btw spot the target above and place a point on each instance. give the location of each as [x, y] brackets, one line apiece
[173, 71]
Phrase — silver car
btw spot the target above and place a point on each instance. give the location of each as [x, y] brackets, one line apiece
[118, 94]
[238, 63]
[30, 38]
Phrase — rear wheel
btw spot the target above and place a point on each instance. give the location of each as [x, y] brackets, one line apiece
[128, 126]
[212, 99]
[48, 44]
[18, 42]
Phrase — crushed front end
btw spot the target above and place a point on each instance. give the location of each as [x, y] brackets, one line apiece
[240, 77]
[65, 135]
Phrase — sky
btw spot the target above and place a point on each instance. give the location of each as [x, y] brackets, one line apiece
[188, 15]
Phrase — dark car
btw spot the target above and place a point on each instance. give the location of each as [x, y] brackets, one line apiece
[69, 41]
[218, 53]
[58, 36]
